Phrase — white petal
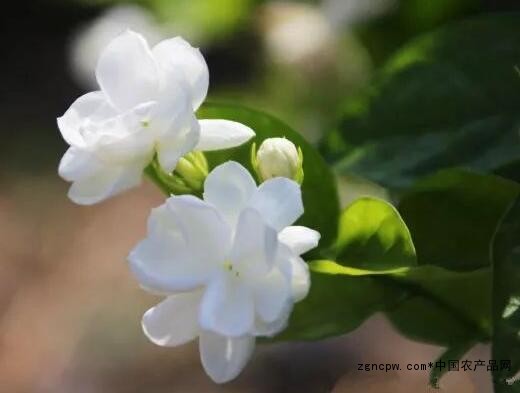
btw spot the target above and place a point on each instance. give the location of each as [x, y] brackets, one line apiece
[163, 265]
[178, 141]
[270, 329]
[300, 239]
[222, 134]
[127, 150]
[104, 183]
[296, 270]
[90, 107]
[174, 321]
[300, 279]
[272, 294]
[254, 246]
[78, 164]
[229, 187]
[162, 222]
[279, 201]
[173, 106]
[224, 358]
[227, 306]
[177, 56]
[183, 247]
[126, 71]
[207, 234]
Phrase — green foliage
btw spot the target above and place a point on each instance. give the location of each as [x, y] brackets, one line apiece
[319, 187]
[420, 14]
[444, 307]
[372, 235]
[453, 214]
[337, 304]
[376, 270]
[448, 99]
[506, 298]
[428, 303]
[204, 20]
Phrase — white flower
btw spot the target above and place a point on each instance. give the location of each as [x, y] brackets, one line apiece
[90, 39]
[236, 259]
[145, 106]
[278, 157]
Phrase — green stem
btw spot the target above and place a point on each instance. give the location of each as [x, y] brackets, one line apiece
[169, 184]
[151, 173]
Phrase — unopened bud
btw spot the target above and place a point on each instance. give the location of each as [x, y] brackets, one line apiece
[192, 170]
[278, 157]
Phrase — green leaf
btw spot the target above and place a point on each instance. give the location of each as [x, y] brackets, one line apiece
[444, 307]
[448, 99]
[506, 298]
[319, 192]
[453, 215]
[337, 304]
[426, 303]
[372, 235]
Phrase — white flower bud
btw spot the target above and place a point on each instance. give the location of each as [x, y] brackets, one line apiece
[278, 157]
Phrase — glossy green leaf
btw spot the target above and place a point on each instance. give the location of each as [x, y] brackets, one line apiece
[444, 307]
[319, 192]
[372, 235]
[448, 99]
[337, 305]
[452, 217]
[506, 299]
[426, 303]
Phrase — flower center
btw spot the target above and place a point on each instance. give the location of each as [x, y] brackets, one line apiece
[145, 123]
[228, 266]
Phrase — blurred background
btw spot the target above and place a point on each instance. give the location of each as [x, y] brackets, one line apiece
[69, 310]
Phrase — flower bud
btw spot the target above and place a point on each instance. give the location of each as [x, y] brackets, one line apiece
[191, 171]
[278, 157]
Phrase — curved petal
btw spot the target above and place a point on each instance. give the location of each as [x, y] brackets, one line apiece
[300, 239]
[104, 183]
[122, 139]
[78, 164]
[300, 279]
[216, 134]
[177, 56]
[163, 265]
[227, 306]
[279, 201]
[272, 293]
[270, 329]
[173, 321]
[162, 222]
[183, 247]
[206, 233]
[177, 142]
[224, 358]
[254, 246]
[90, 107]
[126, 71]
[229, 187]
[294, 268]
[173, 106]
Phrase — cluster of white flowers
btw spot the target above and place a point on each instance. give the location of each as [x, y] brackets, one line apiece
[145, 107]
[228, 264]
